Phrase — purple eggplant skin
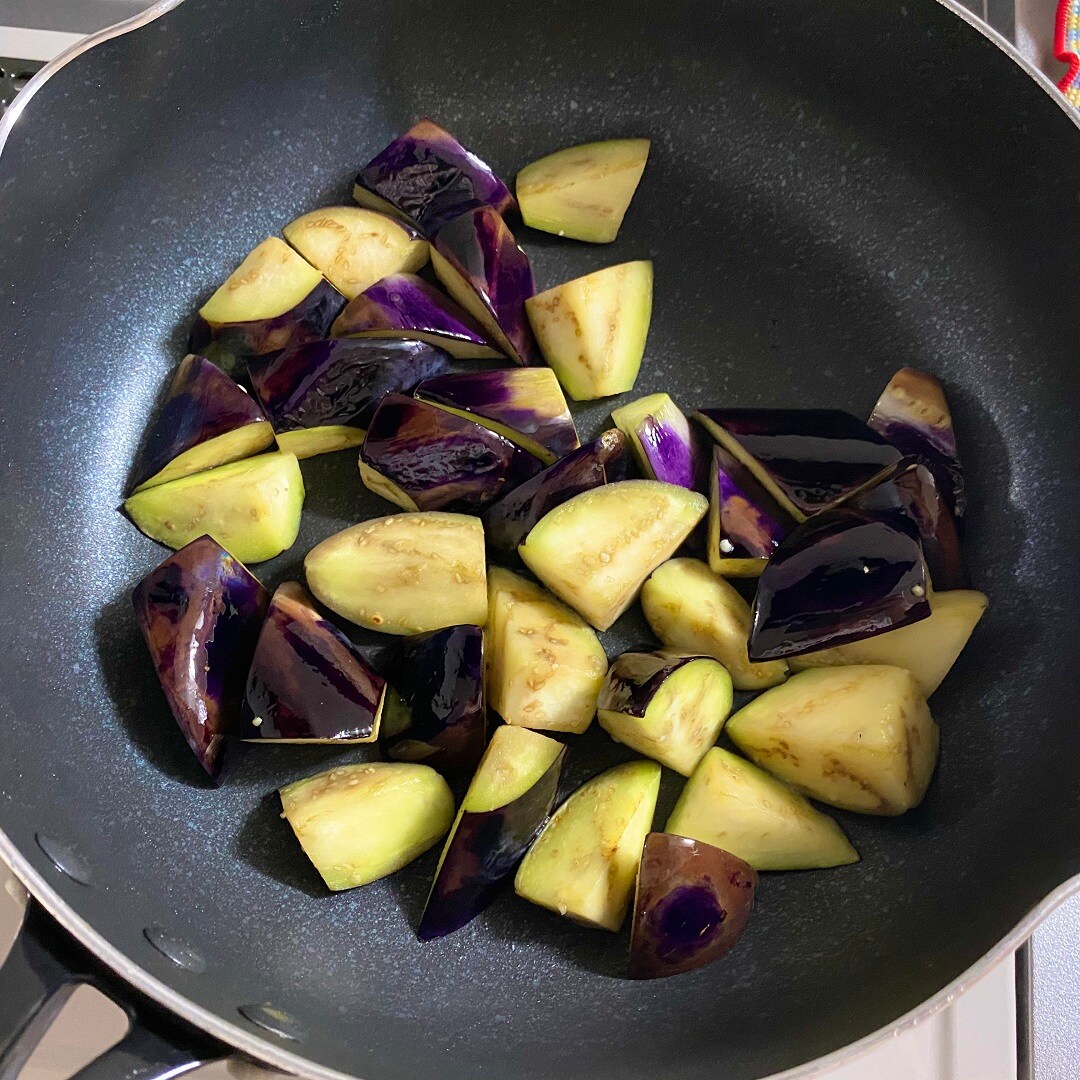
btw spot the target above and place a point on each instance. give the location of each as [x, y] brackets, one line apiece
[634, 678]
[816, 457]
[307, 681]
[913, 414]
[844, 575]
[692, 904]
[341, 382]
[440, 682]
[229, 345]
[484, 854]
[200, 612]
[509, 521]
[441, 461]
[672, 459]
[427, 176]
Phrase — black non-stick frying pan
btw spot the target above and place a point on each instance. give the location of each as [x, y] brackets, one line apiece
[836, 189]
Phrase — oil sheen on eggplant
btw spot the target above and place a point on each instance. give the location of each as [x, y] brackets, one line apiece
[662, 440]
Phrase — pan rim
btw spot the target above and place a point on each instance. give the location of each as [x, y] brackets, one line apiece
[287, 1061]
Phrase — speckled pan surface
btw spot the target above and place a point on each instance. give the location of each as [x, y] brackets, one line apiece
[836, 190]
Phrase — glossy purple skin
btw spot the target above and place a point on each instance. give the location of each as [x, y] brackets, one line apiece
[442, 461]
[440, 682]
[480, 247]
[428, 176]
[913, 414]
[844, 575]
[494, 395]
[635, 678]
[339, 381]
[307, 679]
[692, 905]
[752, 522]
[202, 403]
[200, 612]
[509, 521]
[671, 457]
[230, 344]
[816, 457]
[484, 852]
[405, 303]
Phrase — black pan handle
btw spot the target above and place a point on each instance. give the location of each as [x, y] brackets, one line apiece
[42, 970]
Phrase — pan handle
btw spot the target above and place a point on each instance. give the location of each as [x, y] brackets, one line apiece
[42, 970]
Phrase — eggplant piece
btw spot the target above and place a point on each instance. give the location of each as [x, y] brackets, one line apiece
[858, 738]
[423, 457]
[808, 459]
[584, 863]
[359, 823]
[737, 807]
[667, 706]
[273, 299]
[406, 306]
[206, 420]
[596, 550]
[506, 805]
[661, 439]
[746, 524]
[429, 178]
[914, 416]
[479, 262]
[200, 613]
[354, 247]
[443, 715]
[592, 330]
[308, 683]
[546, 665]
[508, 522]
[691, 906]
[843, 575]
[321, 395]
[403, 574]
[582, 191]
[524, 405]
[251, 507]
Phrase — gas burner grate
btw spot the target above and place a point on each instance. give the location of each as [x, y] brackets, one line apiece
[14, 75]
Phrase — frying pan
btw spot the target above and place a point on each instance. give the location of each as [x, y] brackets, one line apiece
[836, 189]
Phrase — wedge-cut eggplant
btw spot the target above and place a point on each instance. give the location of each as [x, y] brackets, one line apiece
[506, 805]
[592, 330]
[914, 416]
[859, 738]
[406, 306]
[206, 420]
[546, 665]
[423, 457]
[251, 507]
[273, 299]
[807, 459]
[403, 574]
[597, 549]
[524, 405]
[478, 260]
[442, 717]
[355, 247]
[691, 906]
[584, 863]
[359, 823]
[428, 177]
[737, 807]
[746, 524]
[666, 706]
[843, 575]
[200, 613]
[693, 610]
[308, 683]
[509, 521]
[321, 395]
[661, 439]
[582, 191]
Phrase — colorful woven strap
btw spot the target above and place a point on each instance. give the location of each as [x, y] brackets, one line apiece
[1067, 47]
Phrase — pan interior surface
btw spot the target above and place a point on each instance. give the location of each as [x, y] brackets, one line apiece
[835, 190]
